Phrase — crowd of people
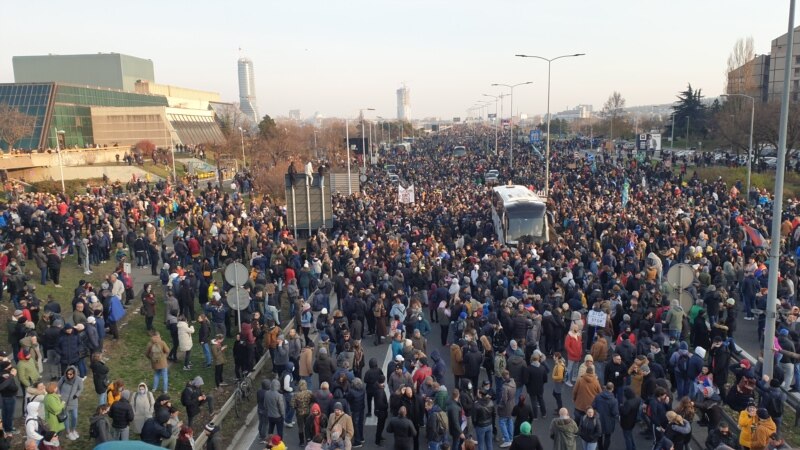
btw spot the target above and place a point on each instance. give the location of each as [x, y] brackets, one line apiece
[514, 326]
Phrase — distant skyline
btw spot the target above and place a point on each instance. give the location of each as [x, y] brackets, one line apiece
[338, 57]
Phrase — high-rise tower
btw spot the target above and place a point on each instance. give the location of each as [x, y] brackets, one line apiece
[247, 90]
[403, 103]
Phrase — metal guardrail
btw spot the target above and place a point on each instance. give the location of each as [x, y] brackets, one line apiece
[200, 442]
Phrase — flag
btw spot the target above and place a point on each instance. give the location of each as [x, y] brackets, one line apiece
[405, 195]
[755, 236]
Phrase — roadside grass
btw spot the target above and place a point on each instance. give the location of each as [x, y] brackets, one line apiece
[126, 358]
[731, 175]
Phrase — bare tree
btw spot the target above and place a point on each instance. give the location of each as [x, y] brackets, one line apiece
[14, 125]
[230, 118]
[739, 70]
[612, 108]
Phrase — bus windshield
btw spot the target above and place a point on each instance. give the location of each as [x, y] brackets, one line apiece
[525, 220]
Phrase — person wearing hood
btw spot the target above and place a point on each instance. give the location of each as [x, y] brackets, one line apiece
[156, 429]
[121, 414]
[69, 348]
[674, 320]
[193, 398]
[607, 409]
[316, 423]
[679, 363]
[143, 407]
[100, 425]
[35, 393]
[765, 427]
[301, 402]
[372, 377]
[324, 366]
[586, 389]
[276, 407]
[563, 431]
[356, 398]
[27, 372]
[34, 425]
[70, 387]
[261, 398]
[526, 440]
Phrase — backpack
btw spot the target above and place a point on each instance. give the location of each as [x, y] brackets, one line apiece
[41, 425]
[682, 365]
[441, 424]
[93, 430]
[156, 353]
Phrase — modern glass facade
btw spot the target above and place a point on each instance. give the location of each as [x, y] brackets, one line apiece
[196, 129]
[83, 96]
[31, 99]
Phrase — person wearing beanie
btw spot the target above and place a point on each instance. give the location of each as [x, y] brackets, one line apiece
[340, 421]
[772, 398]
[193, 398]
[525, 440]
[214, 440]
[276, 443]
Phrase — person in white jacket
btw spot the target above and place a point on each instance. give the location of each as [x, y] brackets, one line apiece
[143, 407]
[34, 425]
[185, 332]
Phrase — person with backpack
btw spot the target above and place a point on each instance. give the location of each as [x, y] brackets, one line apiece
[100, 425]
[35, 427]
[679, 363]
[436, 425]
[157, 352]
[143, 407]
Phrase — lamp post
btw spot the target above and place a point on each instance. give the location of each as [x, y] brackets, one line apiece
[777, 205]
[60, 160]
[511, 107]
[547, 150]
[244, 163]
[750, 150]
[496, 100]
[363, 136]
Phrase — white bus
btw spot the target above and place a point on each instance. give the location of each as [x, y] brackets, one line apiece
[518, 212]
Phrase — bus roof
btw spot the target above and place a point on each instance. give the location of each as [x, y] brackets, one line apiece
[511, 194]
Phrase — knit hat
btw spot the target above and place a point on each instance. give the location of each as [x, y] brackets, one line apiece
[763, 414]
[745, 363]
[276, 439]
[338, 406]
[664, 444]
[525, 428]
[211, 427]
[784, 332]
[730, 301]
[700, 351]
[683, 346]
[197, 381]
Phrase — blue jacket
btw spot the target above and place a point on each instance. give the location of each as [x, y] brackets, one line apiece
[69, 347]
[608, 410]
[116, 310]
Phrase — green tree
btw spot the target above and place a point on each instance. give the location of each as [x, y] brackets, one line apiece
[690, 105]
[267, 128]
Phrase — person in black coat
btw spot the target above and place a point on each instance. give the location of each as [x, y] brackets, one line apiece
[536, 378]
[372, 377]
[472, 363]
[381, 410]
[701, 335]
[121, 414]
[628, 414]
[405, 433]
[156, 428]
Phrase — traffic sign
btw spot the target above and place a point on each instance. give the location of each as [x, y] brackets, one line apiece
[238, 299]
[236, 274]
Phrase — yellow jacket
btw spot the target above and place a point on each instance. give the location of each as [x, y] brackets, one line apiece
[764, 430]
[747, 424]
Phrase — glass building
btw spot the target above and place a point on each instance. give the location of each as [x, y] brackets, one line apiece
[66, 107]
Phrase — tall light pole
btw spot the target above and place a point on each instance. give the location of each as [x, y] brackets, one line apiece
[244, 163]
[363, 136]
[750, 151]
[777, 205]
[496, 100]
[60, 160]
[547, 150]
[511, 87]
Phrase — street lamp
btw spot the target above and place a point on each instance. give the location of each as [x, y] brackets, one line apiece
[547, 150]
[244, 163]
[363, 137]
[511, 151]
[750, 151]
[60, 160]
[496, 99]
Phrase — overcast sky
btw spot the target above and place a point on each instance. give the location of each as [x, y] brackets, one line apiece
[336, 56]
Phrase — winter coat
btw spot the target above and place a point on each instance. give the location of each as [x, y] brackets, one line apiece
[404, 432]
[536, 378]
[324, 367]
[764, 429]
[102, 425]
[157, 352]
[70, 390]
[69, 347]
[275, 405]
[457, 360]
[99, 376]
[607, 410]
[121, 414]
[574, 347]
[629, 410]
[156, 429]
[585, 390]
[563, 432]
[507, 398]
[306, 368]
[185, 332]
[142, 407]
[590, 429]
[53, 405]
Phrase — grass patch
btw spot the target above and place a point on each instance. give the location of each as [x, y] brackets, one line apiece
[126, 356]
[791, 186]
[73, 187]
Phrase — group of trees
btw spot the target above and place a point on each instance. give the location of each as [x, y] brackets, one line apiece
[14, 125]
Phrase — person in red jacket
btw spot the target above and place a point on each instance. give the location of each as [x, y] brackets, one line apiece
[573, 344]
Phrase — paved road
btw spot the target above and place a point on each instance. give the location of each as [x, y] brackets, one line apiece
[381, 353]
